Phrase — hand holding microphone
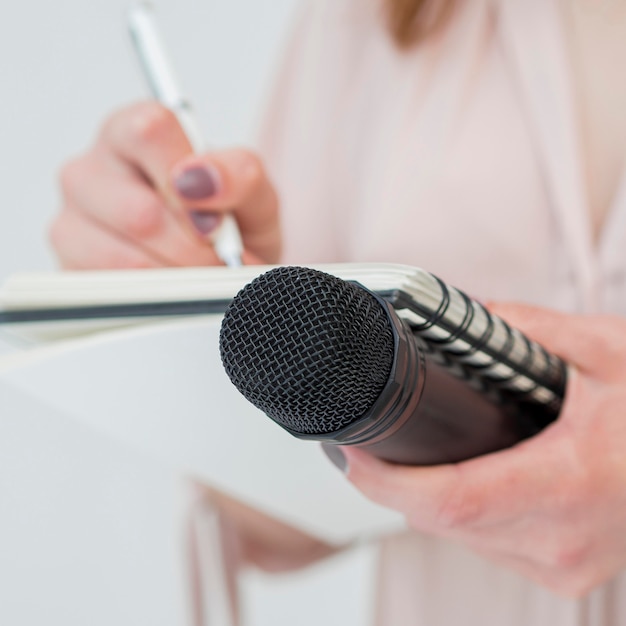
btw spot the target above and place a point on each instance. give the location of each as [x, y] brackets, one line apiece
[552, 507]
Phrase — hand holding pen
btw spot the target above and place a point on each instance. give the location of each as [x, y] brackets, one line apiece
[145, 196]
[162, 81]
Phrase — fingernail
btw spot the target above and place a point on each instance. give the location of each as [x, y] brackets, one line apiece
[205, 222]
[197, 183]
[337, 457]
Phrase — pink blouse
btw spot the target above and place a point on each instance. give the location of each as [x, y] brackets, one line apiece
[463, 157]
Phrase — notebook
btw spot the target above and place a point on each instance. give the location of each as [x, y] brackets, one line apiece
[133, 357]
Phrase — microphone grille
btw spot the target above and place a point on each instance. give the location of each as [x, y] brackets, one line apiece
[310, 350]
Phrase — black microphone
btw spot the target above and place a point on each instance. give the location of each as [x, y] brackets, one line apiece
[329, 360]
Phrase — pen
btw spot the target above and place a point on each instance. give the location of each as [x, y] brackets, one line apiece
[164, 86]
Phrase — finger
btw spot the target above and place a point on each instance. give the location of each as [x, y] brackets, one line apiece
[448, 499]
[148, 137]
[233, 181]
[591, 343]
[82, 244]
[399, 487]
[125, 204]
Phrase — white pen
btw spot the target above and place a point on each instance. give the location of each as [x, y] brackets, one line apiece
[160, 76]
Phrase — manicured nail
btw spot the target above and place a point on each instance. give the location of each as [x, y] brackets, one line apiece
[336, 455]
[197, 183]
[205, 222]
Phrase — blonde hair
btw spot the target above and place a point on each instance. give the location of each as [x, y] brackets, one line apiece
[410, 21]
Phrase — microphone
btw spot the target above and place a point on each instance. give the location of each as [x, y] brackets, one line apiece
[418, 375]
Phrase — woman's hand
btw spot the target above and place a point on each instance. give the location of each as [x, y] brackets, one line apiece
[140, 198]
[553, 507]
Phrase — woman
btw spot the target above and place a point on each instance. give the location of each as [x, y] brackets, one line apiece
[485, 142]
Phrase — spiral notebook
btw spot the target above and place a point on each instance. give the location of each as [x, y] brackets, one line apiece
[133, 357]
[51, 305]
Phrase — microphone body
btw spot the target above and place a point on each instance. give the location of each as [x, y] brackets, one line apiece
[426, 416]
[305, 347]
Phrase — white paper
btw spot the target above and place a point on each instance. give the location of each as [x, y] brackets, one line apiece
[162, 390]
[91, 530]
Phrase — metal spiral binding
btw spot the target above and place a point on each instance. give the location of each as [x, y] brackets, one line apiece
[476, 345]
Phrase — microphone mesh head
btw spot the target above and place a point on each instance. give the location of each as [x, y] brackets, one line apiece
[310, 350]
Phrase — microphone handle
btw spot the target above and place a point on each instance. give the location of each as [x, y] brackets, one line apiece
[451, 423]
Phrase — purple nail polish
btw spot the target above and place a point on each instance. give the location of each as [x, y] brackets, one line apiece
[197, 183]
[336, 455]
[205, 221]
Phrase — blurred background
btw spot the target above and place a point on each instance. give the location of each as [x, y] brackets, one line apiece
[64, 66]
[67, 64]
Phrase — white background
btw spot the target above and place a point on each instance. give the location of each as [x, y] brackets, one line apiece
[65, 64]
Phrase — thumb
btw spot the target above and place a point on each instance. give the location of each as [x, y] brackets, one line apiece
[232, 181]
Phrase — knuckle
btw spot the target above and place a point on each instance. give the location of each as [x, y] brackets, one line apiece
[569, 555]
[149, 122]
[458, 509]
[252, 169]
[143, 219]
